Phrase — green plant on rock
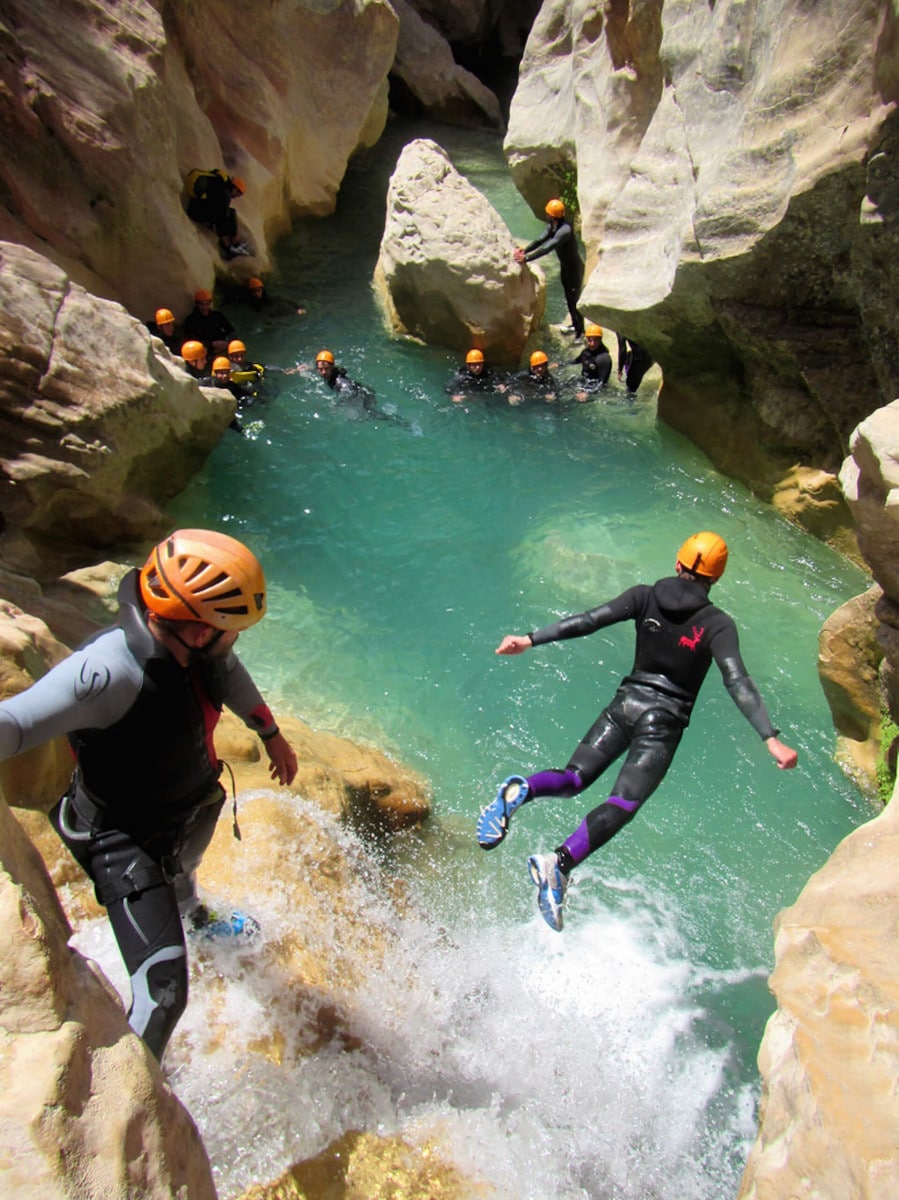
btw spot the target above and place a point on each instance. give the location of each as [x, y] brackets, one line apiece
[886, 759]
[565, 175]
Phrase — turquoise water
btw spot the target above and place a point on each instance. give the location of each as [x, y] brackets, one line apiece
[397, 556]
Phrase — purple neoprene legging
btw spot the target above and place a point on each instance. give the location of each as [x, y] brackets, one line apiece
[596, 828]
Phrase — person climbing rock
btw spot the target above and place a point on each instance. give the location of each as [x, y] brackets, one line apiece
[559, 236]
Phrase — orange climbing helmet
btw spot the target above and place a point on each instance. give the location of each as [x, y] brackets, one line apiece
[193, 351]
[164, 315]
[555, 209]
[222, 363]
[236, 347]
[704, 554]
[201, 575]
[255, 285]
[474, 356]
[202, 296]
[538, 357]
[237, 183]
[324, 356]
[593, 331]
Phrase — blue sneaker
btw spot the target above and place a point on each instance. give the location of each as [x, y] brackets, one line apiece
[238, 929]
[552, 884]
[493, 823]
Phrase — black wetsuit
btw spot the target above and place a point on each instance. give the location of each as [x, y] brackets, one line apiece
[596, 366]
[471, 385]
[145, 796]
[210, 203]
[271, 306]
[534, 387]
[207, 328]
[559, 236]
[679, 633]
[357, 398]
[635, 359]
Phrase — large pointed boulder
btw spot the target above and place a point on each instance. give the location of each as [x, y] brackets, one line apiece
[446, 273]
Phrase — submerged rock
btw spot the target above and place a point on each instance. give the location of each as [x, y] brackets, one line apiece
[446, 272]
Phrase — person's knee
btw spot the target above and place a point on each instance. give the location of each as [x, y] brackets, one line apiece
[159, 989]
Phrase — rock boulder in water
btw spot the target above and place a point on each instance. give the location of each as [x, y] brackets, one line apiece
[446, 272]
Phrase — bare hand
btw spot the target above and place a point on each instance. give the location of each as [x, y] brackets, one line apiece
[785, 758]
[514, 643]
[519, 254]
[282, 759]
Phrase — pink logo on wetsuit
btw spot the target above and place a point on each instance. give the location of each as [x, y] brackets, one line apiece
[693, 642]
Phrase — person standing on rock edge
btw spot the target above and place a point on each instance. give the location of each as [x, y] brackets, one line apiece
[679, 632]
[559, 236]
[139, 702]
[633, 362]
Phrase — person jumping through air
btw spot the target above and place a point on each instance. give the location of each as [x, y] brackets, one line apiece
[678, 634]
[139, 702]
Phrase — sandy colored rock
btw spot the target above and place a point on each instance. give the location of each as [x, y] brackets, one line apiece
[361, 1165]
[849, 658]
[83, 1108]
[446, 272]
[347, 779]
[723, 156]
[870, 481]
[830, 1055]
[98, 425]
[105, 108]
[444, 91]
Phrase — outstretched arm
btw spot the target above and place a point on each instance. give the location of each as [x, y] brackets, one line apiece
[747, 697]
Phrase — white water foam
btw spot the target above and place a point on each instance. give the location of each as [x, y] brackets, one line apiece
[541, 1064]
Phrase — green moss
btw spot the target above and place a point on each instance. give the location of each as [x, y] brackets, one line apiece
[566, 178]
[886, 761]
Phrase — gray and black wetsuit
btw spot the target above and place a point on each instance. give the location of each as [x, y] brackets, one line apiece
[679, 634]
[144, 799]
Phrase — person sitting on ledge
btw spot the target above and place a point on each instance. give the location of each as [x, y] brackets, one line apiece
[209, 196]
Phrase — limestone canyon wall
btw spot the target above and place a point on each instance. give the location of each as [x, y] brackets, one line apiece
[736, 177]
[106, 107]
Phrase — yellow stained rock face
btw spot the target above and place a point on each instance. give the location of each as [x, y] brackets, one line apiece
[362, 1166]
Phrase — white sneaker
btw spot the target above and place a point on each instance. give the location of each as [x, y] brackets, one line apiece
[552, 884]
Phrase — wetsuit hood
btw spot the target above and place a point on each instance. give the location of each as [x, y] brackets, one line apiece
[679, 597]
[132, 617]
